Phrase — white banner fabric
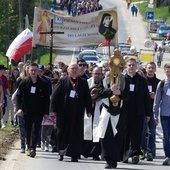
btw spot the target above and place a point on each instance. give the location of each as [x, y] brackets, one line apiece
[78, 31]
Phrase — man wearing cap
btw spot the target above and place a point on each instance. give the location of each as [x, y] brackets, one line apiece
[5, 91]
[40, 73]
[1, 99]
[62, 67]
[47, 79]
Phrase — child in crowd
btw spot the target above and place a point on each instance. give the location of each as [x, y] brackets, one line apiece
[48, 124]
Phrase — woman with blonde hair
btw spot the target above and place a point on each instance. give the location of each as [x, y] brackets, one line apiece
[20, 120]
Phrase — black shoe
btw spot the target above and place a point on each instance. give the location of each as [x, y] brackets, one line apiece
[135, 159]
[61, 157]
[126, 156]
[12, 122]
[74, 159]
[125, 161]
[108, 166]
[96, 158]
[85, 155]
[54, 149]
[32, 153]
[38, 145]
[114, 164]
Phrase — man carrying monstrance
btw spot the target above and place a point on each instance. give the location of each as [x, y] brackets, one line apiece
[112, 118]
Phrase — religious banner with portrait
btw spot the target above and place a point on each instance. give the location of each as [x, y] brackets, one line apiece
[80, 30]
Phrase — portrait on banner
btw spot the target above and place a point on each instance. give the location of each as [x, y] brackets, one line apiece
[107, 20]
[44, 25]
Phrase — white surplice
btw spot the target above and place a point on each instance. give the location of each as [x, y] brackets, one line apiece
[91, 128]
[105, 116]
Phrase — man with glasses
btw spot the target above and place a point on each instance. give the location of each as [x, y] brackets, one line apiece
[93, 147]
[136, 107]
[70, 98]
[82, 65]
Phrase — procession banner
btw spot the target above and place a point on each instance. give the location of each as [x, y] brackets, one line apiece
[80, 30]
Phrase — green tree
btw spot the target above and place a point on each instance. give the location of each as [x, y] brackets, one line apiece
[9, 20]
[13, 14]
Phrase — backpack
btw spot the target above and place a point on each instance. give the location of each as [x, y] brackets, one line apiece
[162, 86]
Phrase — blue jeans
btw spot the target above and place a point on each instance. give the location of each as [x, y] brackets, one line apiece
[165, 122]
[22, 131]
[148, 136]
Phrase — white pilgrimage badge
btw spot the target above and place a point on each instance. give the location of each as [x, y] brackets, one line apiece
[150, 88]
[132, 87]
[168, 92]
[33, 89]
[72, 93]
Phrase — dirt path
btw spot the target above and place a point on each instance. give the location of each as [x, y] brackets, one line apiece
[6, 142]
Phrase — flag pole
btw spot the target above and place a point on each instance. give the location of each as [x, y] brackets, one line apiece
[26, 26]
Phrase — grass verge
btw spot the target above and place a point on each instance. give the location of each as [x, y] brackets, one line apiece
[159, 13]
[8, 135]
[44, 59]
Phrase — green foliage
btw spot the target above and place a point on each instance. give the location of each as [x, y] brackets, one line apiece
[135, 1]
[109, 34]
[8, 129]
[45, 59]
[159, 13]
[13, 14]
[12, 20]
[3, 60]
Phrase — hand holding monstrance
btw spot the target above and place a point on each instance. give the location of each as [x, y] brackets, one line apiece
[116, 64]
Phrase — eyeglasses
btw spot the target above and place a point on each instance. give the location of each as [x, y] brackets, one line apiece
[84, 65]
[131, 65]
[74, 68]
[97, 73]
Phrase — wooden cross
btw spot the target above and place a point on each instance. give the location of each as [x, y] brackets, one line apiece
[51, 39]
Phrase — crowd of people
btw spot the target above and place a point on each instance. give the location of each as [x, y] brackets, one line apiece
[133, 8]
[80, 7]
[54, 105]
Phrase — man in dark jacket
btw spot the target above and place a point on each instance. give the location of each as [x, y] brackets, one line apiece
[70, 98]
[32, 97]
[149, 129]
[82, 68]
[135, 108]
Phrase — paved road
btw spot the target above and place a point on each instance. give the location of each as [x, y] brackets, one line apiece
[48, 160]
[128, 26]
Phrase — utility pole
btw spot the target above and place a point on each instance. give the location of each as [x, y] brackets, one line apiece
[20, 16]
[7, 26]
[51, 32]
[40, 3]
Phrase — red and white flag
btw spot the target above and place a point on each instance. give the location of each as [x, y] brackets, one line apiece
[106, 42]
[21, 45]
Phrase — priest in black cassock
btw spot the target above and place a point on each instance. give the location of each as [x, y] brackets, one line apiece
[111, 124]
[70, 98]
